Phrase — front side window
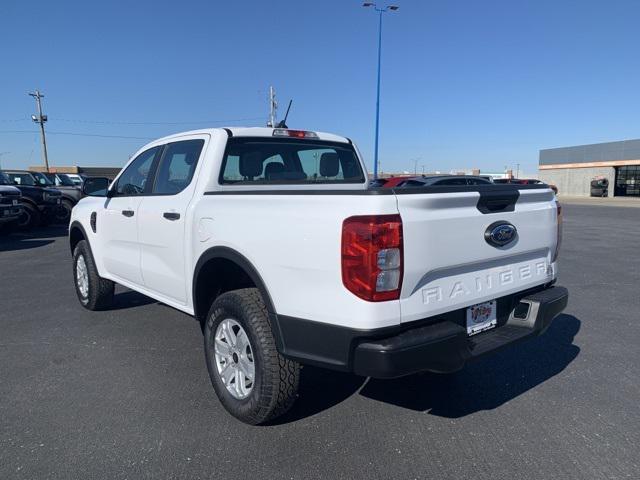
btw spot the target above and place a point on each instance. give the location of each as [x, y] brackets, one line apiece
[134, 179]
[43, 179]
[275, 161]
[177, 166]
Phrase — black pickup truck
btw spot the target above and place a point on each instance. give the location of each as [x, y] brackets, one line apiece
[41, 205]
[71, 194]
[10, 206]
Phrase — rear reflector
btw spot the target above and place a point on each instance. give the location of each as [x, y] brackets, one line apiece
[372, 256]
[558, 231]
[284, 132]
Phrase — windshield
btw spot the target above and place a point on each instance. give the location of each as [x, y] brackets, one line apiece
[275, 161]
[43, 179]
[21, 178]
[66, 181]
[4, 180]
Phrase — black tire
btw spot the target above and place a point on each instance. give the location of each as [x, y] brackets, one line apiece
[100, 291]
[29, 218]
[276, 380]
[63, 213]
[7, 228]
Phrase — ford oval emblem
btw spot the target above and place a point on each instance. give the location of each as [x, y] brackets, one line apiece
[499, 234]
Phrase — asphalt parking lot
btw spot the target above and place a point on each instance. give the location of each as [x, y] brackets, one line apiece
[125, 393]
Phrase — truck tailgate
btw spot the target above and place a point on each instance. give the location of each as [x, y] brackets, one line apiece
[448, 264]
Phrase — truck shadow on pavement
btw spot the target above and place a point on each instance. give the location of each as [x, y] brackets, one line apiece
[482, 385]
[129, 299]
[37, 237]
[488, 383]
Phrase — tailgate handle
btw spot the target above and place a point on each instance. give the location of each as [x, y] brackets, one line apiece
[498, 201]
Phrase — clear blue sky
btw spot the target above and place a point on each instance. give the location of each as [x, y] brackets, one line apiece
[466, 83]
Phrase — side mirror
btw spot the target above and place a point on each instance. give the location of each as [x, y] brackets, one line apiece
[96, 187]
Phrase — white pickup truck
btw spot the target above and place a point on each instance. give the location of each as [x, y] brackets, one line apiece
[275, 242]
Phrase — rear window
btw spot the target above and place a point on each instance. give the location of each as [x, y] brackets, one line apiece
[276, 161]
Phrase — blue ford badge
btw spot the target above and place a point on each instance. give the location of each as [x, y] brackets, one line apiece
[499, 234]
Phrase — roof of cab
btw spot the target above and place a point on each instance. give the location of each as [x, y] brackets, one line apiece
[253, 132]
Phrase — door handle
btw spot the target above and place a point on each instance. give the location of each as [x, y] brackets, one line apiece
[127, 213]
[171, 215]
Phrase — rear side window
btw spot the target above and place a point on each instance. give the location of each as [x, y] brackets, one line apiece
[22, 179]
[250, 161]
[177, 166]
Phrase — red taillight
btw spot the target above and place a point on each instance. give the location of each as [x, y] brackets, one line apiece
[558, 231]
[372, 256]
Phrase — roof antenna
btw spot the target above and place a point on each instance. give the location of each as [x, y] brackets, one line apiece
[283, 123]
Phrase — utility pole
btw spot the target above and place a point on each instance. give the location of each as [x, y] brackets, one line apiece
[40, 119]
[273, 106]
[517, 170]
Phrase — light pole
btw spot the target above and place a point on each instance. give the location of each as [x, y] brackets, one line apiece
[380, 11]
[415, 165]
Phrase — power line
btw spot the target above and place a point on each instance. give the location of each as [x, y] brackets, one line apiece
[24, 119]
[78, 134]
[116, 122]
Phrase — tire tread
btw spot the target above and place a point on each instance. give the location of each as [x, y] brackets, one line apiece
[280, 376]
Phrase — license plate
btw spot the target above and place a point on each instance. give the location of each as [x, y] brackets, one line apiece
[481, 317]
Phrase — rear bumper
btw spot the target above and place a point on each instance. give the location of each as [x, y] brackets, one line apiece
[445, 347]
[437, 345]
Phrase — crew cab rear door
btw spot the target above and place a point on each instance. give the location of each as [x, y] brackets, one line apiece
[450, 260]
[163, 218]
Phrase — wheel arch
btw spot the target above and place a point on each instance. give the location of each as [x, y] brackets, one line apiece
[30, 201]
[77, 233]
[241, 273]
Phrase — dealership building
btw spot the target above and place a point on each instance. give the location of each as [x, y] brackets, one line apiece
[572, 169]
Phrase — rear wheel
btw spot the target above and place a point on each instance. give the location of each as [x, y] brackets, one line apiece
[94, 292]
[252, 380]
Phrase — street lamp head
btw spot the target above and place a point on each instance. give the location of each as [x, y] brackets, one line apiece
[393, 8]
[368, 4]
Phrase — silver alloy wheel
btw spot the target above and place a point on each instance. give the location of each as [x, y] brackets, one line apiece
[82, 276]
[234, 358]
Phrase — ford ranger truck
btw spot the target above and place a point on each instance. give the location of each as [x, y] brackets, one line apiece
[273, 240]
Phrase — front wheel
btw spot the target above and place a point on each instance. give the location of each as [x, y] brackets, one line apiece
[94, 292]
[29, 218]
[253, 381]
